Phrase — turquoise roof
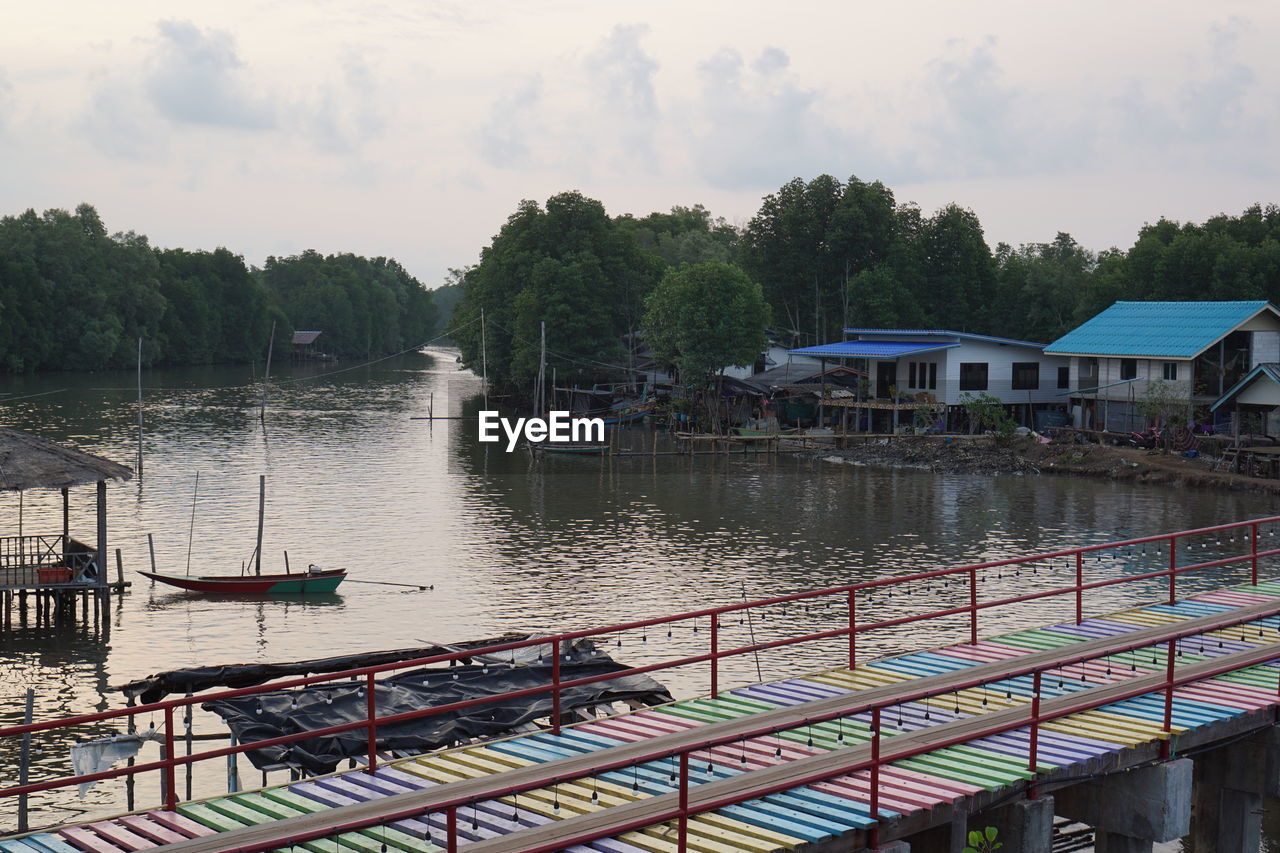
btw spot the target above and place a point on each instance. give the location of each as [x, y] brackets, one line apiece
[1271, 370]
[1156, 329]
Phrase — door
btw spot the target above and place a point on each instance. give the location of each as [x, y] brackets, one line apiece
[886, 375]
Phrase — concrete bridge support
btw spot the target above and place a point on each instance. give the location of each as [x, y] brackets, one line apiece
[1134, 809]
[1231, 784]
[1025, 826]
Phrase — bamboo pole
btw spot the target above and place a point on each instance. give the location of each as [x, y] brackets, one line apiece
[266, 376]
[139, 408]
[262, 505]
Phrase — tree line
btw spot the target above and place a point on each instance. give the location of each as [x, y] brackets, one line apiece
[825, 255]
[74, 297]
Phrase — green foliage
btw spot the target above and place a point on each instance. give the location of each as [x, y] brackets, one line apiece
[75, 298]
[983, 841]
[987, 413]
[365, 307]
[568, 265]
[686, 235]
[831, 254]
[704, 318]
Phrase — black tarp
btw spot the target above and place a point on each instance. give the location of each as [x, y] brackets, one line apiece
[155, 687]
[269, 715]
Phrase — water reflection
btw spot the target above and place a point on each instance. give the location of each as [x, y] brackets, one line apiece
[514, 544]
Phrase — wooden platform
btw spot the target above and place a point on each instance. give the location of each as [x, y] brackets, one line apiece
[807, 816]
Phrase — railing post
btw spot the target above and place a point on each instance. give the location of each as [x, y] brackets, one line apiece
[1168, 698]
[451, 829]
[1253, 553]
[973, 607]
[874, 781]
[1173, 566]
[853, 628]
[715, 655]
[1079, 587]
[555, 686]
[170, 781]
[1032, 754]
[682, 837]
[371, 711]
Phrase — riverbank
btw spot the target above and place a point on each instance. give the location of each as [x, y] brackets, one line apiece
[1024, 456]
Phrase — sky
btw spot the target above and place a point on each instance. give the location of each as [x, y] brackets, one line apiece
[413, 129]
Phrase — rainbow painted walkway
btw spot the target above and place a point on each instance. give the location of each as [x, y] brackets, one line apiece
[913, 793]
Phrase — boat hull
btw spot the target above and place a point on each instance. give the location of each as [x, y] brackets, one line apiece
[288, 584]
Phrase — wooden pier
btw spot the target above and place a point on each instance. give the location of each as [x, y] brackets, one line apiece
[1119, 720]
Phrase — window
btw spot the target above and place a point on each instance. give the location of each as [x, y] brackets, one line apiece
[1088, 369]
[911, 376]
[1128, 368]
[1064, 377]
[1171, 371]
[973, 376]
[1026, 375]
[933, 375]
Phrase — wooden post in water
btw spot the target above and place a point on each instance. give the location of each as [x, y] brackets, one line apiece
[484, 362]
[139, 408]
[24, 760]
[119, 571]
[266, 376]
[262, 503]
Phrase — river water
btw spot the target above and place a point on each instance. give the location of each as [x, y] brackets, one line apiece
[506, 542]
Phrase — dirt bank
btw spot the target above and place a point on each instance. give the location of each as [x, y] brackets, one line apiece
[1024, 456]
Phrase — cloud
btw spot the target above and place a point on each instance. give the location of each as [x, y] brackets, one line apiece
[755, 127]
[1213, 103]
[620, 74]
[979, 125]
[345, 116]
[196, 77]
[6, 100]
[118, 124]
[504, 138]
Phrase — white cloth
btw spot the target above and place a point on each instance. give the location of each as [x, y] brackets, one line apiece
[94, 756]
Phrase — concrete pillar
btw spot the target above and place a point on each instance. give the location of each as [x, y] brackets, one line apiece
[1111, 842]
[1025, 826]
[1230, 784]
[947, 838]
[1150, 804]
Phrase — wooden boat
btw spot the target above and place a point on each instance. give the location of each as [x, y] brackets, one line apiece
[627, 417]
[311, 581]
[750, 432]
[573, 448]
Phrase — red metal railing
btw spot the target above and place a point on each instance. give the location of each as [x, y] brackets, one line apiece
[879, 756]
[973, 574]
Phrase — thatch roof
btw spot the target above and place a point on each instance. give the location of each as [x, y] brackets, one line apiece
[31, 462]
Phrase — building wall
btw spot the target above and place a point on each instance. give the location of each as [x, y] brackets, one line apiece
[1148, 370]
[1265, 348]
[999, 359]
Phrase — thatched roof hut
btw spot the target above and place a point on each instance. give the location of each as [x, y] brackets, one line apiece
[31, 462]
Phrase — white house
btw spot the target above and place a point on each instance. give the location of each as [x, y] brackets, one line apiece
[943, 366]
[1200, 348]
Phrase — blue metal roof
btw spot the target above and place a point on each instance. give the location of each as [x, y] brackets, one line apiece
[945, 333]
[873, 349]
[1156, 329]
[1270, 369]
